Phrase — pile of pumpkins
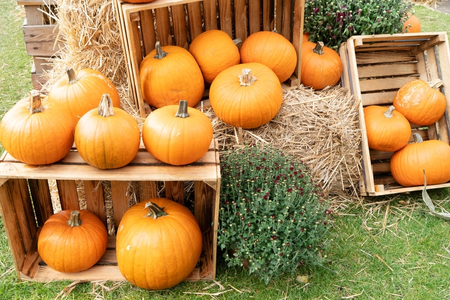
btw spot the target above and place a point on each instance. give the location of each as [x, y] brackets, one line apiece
[389, 129]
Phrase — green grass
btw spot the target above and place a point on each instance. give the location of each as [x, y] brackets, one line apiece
[389, 250]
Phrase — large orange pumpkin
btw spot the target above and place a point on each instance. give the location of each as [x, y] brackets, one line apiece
[420, 103]
[177, 135]
[72, 241]
[214, 51]
[387, 129]
[158, 244]
[246, 95]
[169, 74]
[271, 49]
[107, 137]
[433, 156]
[35, 133]
[80, 90]
[321, 66]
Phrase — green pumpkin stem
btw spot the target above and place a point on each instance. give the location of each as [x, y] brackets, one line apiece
[160, 54]
[319, 48]
[35, 102]
[155, 211]
[390, 112]
[74, 219]
[182, 110]
[417, 138]
[247, 78]
[105, 108]
[71, 75]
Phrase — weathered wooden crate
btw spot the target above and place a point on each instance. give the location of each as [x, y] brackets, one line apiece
[377, 66]
[40, 34]
[178, 22]
[29, 196]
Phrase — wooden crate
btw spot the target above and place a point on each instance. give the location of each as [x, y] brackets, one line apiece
[40, 34]
[178, 22]
[26, 201]
[376, 67]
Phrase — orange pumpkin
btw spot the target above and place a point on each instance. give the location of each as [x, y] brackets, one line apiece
[107, 137]
[214, 51]
[35, 133]
[72, 241]
[420, 103]
[80, 90]
[387, 129]
[433, 156]
[321, 66]
[177, 135]
[412, 24]
[169, 74]
[306, 36]
[271, 49]
[158, 247]
[246, 95]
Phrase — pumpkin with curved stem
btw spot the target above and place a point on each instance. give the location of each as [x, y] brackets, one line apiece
[177, 135]
[72, 241]
[433, 156]
[169, 74]
[420, 102]
[107, 137]
[35, 133]
[158, 244]
[214, 51]
[271, 49]
[387, 129]
[321, 66]
[246, 95]
[80, 91]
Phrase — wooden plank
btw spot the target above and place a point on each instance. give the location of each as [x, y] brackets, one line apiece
[42, 48]
[32, 259]
[147, 190]
[148, 31]
[42, 64]
[297, 35]
[278, 15]
[240, 20]
[179, 26]
[96, 272]
[379, 98]
[267, 15]
[95, 202]
[120, 200]
[68, 195]
[375, 57]
[210, 14]
[435, 40]
[286, 21]
[254, 15]
[384, 83]
[226, 23]
[381, 168]
[163, 26]
[380, 155]
[386, 70]
[33, 14]
[195, 19]
[40, 33]
[155, 4]
[175, 191]
[42, 201]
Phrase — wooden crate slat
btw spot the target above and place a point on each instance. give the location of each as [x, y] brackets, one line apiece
[267, 15]
[240, 20]
[384, 83]
[68, 195]
[387, 70]
[179, 26]
[254, 22]
[380, 98]
[226, 23]
[147, 190]
[148, 31]
[32, 259]
[210, 14]
[163, 26]
[175, 191]
[40, 193]
[120, 200]
[385, 57]
[195, 19]
[95, 202]
[286, 22]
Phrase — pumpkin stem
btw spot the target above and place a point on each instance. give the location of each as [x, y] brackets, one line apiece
[155, 211]
[105, 108]
[417, 138]
[246, 79]
[182, 110]
[160, 54]
[74, 219]
[35, 102]
[237, 41]
[72, 76]
[390, 112]
[436, 83]
[319, 48]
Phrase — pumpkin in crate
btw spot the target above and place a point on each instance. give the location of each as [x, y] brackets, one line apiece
[72, 241]
[158, 244]
[214, 51]
[271, 49]
[246, 95]
[433, 156]
[177, 134]
[35, 132]
[80, 90]
[107, 137]
[321, 65]
[387, 129]
[169, 74]
[420, 102]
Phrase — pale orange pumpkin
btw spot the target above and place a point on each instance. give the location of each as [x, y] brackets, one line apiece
[412, 24]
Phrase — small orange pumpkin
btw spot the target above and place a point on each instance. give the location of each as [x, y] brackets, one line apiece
[72, 241]
[321, 66]
[433, 156]
[412, 24]
[271, 49]
[420, 102]
[387, 129]
[169, 74]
